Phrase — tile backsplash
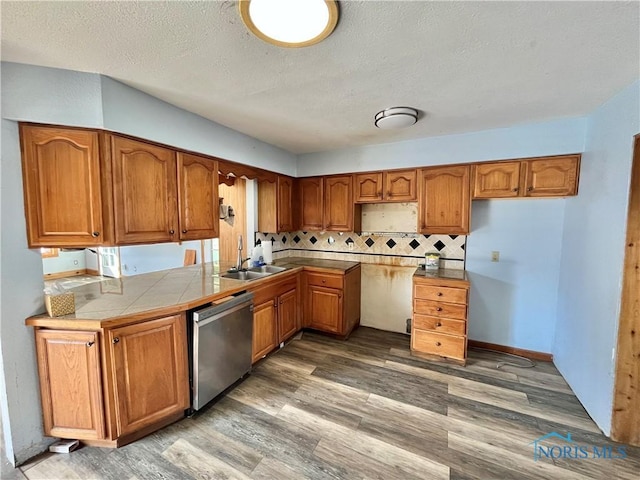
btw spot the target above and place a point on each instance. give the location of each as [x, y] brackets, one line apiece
[388, 248]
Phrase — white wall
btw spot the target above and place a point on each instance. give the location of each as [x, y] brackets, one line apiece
[46, 95]
[64, 262]
[128, 110]
[138, 259]
[513, 301]
[548, 138]
[593, 256]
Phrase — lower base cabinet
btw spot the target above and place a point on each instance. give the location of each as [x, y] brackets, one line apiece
[107, 387]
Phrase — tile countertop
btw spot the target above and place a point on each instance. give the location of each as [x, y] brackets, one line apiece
[129, 299]
[442, 274]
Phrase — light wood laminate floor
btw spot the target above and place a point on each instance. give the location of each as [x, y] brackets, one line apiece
[322, 408]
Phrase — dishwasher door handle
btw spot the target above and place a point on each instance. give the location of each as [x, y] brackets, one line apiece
[201, 322]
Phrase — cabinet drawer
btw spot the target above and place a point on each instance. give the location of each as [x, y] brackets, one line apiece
[325, 280]
[438, 344]
[443, 325]
[441, 294]
[440, 309]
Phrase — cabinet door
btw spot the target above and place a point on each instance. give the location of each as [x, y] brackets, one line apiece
[264, 329]
[70, 384]
[496, 180]
[144, 192]
[368, 187]
[285, 197]
[555, 177]
[324, 308]
[311, 206]
[267, 206]
[338, 204]
[197, 197]
[287, 315]
[150, 372]
[400, 186]
[61, 176]
[444, 201]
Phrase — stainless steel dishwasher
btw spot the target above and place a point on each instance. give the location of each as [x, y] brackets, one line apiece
[222, 335]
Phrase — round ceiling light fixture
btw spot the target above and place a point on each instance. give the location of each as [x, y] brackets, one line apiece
[396, 117]
[290, 23]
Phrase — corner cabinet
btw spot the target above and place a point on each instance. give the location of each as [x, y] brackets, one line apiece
[62, 191]
[444, 201]
[109, 388]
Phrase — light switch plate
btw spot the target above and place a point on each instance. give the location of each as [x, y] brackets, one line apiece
[495, 256]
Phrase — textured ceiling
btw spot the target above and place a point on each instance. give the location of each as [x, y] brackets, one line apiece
[467, 66]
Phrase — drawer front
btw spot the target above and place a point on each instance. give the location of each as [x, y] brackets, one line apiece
[443, 325]
[325, 280]
[438, 344]
[440, 294]
[439, 309]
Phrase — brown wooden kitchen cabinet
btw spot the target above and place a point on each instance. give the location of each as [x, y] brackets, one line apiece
[534, 177]
[444, 202]
[332, 301]
[109, 388]
[197, 197]
[310, 196]
[439, 321]
[62, 191]
[340, 213]
[387, 186]
[275, 315]
[70, 384]
[149, 372]
[275, 199]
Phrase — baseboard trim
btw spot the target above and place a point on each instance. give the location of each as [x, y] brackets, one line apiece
[545, 357]
[89, 271]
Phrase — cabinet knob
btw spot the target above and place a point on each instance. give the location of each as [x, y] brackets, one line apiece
[529, 189]
[89, 344]
[439, 294]
[171, 232]
[116, 340]
[184, 231]
[439, 309]
[379, 194]
[324, 281]
[389, 194]
[438, 324]
[438, 344]
[516, 189]
[95, 234]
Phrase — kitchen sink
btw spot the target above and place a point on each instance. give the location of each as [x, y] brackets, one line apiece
[268, 269]
[248, 275]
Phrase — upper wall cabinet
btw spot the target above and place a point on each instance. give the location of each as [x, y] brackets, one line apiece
[444, 200]
[388, 186]
[144, 192]
[339, 208]
[536, 177]
[275, 205]
[197, 197]
[310, 195]
[62, 191]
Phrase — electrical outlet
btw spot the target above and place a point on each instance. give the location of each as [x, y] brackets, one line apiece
[350, 244]
[495, 256]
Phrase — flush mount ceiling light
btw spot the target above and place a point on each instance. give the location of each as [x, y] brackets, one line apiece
[396, 117]
[290, 23]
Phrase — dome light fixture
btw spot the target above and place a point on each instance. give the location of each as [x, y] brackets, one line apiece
[290, 23]
[396, 117]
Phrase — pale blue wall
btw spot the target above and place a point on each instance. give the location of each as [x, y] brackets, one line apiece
[512, 302]
[592, 256]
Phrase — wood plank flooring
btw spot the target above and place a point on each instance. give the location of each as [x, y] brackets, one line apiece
[322, 408]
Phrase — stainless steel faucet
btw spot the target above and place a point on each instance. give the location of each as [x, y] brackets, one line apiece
[240, 261]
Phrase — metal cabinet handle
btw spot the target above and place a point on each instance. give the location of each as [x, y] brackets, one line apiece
[184, 231]
[116, 340]
[529, 189]
[438, 344]
[516, 189]
[439, 294]
[171, 232]
[438, 324]
[95, 234]
[89, 344]
[439, 309]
